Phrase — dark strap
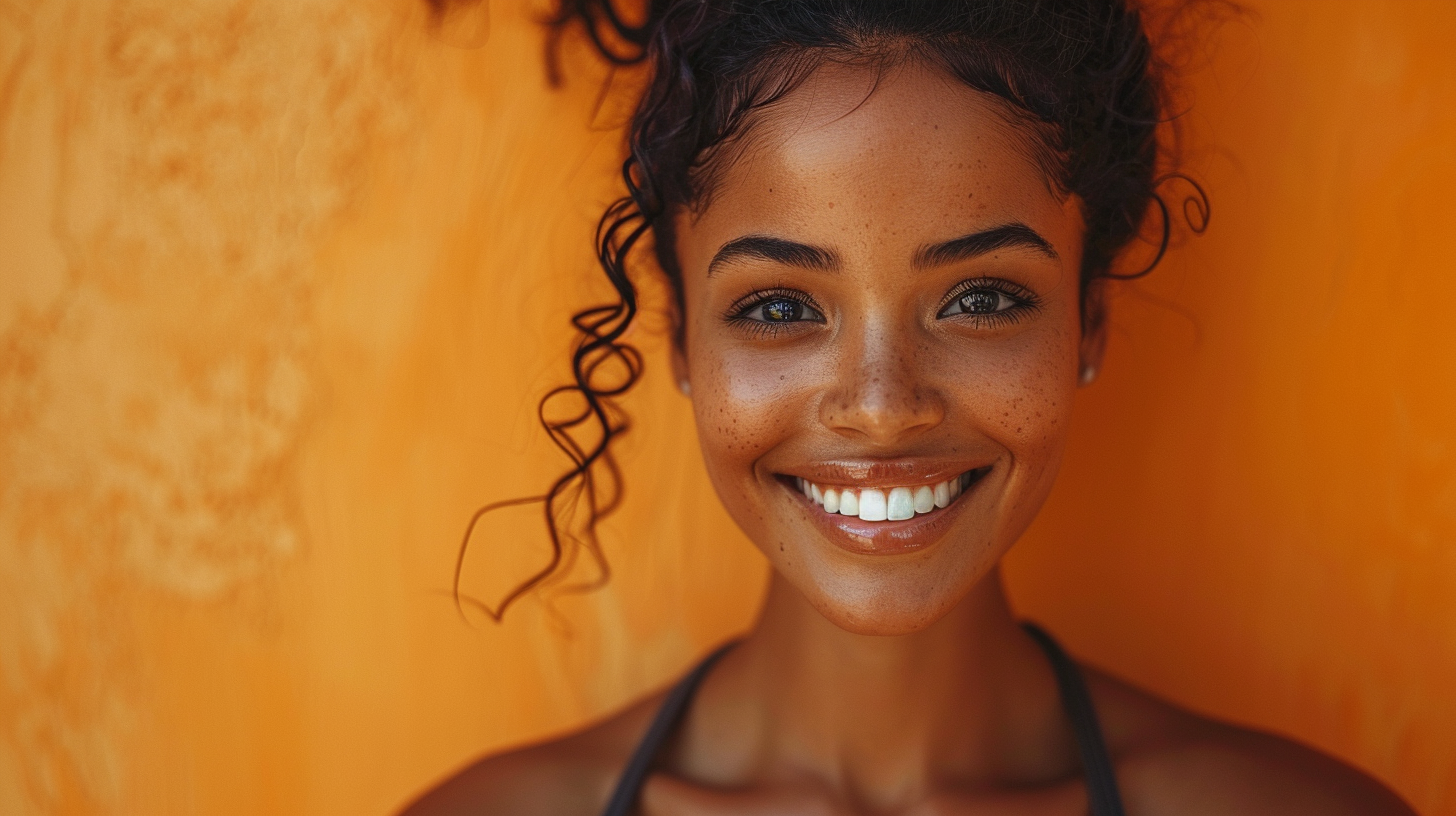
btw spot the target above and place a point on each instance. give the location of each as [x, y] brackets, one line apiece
[1102, 795]
[624, 797]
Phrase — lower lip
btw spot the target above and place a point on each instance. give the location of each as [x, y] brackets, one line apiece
[887, 537]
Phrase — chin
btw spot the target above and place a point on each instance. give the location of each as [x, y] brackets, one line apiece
[886, 601]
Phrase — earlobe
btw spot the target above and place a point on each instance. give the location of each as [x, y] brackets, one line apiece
[677, 353]
[1094, 332]
[679, 362]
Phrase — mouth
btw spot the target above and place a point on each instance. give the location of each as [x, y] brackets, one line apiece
[884, 519]
[887, 503]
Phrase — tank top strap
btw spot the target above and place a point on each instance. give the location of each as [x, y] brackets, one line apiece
[624, 796]
[1103, 798]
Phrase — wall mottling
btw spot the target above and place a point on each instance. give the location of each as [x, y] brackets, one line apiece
[168, 169]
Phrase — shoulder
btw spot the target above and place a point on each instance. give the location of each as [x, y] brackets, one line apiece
[569, 776]
[1169, 760]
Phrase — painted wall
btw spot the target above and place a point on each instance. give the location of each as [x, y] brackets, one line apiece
[281, 283]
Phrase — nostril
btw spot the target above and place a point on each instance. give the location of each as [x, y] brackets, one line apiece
[880, 415]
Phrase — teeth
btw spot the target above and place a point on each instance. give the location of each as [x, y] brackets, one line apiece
[901, 505]
[872, 505]
[884, 504]
[924, 499]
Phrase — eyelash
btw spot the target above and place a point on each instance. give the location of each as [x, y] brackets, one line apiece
[738, 313]
[1024, 301]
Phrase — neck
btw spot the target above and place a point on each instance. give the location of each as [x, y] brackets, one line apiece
[967, 700]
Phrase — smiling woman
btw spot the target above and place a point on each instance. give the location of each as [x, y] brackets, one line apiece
[886, 227]
[935, 339]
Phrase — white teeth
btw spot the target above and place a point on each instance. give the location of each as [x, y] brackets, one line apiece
[884, 504]
[901, 504]
[924, 499]
[872, 505]
[942, 494]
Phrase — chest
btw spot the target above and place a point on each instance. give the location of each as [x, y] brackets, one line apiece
[664, 795]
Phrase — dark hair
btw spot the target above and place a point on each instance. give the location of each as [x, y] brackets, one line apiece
[1080, 74]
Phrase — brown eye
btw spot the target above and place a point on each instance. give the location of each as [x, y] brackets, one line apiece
[782, 311]
[981, 302]
[774, 310]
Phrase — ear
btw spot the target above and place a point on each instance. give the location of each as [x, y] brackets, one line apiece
[1094, 332]
[679, 359]
[664, 239]
[677, 350]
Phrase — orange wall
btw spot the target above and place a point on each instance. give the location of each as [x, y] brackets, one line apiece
[280, 284]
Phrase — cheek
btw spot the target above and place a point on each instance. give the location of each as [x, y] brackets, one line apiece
[1022, 400]
[1018, 393]
[1032, 395]
[745, 404]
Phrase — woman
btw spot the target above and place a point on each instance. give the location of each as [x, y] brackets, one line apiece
[887, 227]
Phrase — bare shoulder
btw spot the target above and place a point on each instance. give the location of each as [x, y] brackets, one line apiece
[1172, 761]
[569, 776]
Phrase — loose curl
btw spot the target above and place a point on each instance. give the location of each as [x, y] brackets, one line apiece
[1079, 75]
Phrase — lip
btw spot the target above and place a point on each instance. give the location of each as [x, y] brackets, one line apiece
[891, 473]
[885, 537]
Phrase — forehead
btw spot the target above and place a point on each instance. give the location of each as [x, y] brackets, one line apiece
[908, 151]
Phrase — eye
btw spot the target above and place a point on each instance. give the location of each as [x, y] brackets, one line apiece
[780, 310]
[979, 301]
[775, 308]
[988, 298]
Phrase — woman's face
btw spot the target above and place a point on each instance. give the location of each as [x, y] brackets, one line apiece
[881, 308]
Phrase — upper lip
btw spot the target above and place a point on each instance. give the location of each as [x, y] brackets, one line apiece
[883, 472]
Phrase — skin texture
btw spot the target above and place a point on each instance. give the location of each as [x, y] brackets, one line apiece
[886, 677]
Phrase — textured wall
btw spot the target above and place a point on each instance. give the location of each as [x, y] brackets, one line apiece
[280, 283]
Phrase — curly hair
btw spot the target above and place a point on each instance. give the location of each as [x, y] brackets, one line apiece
[1080, 76]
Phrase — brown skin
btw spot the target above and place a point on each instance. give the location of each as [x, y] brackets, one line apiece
[893, 682]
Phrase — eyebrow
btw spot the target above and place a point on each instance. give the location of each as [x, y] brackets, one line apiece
[778, 250]
[805, 256]
[1006, 236]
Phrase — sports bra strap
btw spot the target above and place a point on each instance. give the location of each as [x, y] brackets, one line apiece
[1102, 795]
[672, 710]
[1103, 798]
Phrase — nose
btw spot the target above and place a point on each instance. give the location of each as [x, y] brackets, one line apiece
[880, 393]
